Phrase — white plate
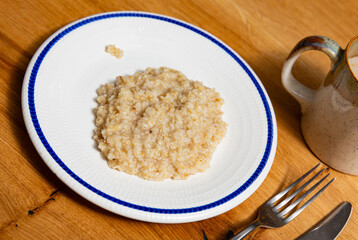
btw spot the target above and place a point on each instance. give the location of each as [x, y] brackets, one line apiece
[58, 98]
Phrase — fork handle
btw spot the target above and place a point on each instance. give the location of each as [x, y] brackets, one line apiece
[243, 233]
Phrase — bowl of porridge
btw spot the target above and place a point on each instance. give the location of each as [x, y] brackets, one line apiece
[177, 128]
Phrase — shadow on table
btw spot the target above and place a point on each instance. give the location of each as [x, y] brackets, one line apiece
[310, 69]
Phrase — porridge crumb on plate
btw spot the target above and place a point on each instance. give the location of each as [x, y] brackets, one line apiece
[114, 51]
[158, 124]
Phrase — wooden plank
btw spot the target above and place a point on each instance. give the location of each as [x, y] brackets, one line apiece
[34, 204]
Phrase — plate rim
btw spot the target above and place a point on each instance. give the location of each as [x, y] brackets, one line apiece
[40, 142]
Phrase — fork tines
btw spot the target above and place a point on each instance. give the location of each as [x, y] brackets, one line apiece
[299, 190]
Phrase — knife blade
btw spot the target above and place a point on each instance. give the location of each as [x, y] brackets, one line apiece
[331, 226]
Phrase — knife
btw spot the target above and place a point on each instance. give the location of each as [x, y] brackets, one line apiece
[331, 226]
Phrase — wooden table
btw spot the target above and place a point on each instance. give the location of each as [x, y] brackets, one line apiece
[35, 204]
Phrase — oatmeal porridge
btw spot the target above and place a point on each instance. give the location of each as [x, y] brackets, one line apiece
[158, 124]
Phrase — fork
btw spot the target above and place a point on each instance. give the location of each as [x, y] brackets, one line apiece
[272, 216]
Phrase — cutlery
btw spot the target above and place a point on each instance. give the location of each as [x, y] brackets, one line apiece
[274, 216]
[331, 226]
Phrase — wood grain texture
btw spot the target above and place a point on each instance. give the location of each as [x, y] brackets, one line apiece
[34, 204]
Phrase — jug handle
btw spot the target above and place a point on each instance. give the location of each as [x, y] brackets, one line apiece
[300, 92]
